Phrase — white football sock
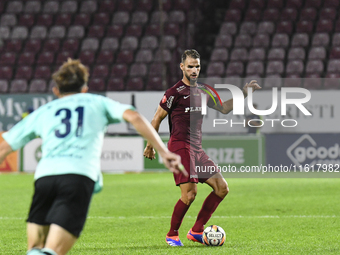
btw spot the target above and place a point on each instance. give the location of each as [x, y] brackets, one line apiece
[34, 251]
[48, 251]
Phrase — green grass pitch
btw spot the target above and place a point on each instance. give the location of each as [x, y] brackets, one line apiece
[132, 214]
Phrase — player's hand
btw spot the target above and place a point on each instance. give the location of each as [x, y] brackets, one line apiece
[149, 152]
[253, 84]
[172, 161]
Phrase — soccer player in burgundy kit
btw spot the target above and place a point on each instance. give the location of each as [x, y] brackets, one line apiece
[182, 103]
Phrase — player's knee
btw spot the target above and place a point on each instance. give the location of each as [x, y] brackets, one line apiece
[222, 190]
[225, 190]
[189, 197]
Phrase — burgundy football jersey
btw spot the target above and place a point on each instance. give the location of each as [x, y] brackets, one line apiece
[183, 104]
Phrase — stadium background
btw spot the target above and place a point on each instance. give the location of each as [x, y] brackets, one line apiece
[133, 48]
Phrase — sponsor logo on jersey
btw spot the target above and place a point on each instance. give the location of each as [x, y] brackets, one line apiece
[169, 102]
[192, 109]
[180, 88]
[164, 99]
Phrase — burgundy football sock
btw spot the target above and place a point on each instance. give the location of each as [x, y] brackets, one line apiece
[208, 208]
[177, 217]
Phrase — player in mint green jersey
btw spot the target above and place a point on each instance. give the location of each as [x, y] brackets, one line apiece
[72, 130]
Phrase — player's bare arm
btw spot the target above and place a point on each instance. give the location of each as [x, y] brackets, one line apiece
[160, 114]
[171, 160]
[227, 106]
[5, 149]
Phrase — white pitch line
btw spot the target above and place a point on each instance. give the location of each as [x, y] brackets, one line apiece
[12, 218]
[213, 217]
[219, 217]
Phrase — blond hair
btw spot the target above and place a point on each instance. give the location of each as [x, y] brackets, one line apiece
[71, 76]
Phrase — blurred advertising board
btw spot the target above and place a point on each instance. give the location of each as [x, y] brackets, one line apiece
[235, 151]
[303, 149]
[10, 164]
[119, 154]
[12, 107]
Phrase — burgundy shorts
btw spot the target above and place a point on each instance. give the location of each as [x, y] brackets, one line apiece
[197, 163]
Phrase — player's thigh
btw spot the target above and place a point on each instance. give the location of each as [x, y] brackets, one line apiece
[188, 187]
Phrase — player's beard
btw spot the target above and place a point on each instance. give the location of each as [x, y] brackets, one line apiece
[191, 80]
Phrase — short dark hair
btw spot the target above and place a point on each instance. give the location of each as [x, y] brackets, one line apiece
[71, 76]
[190, 53]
